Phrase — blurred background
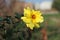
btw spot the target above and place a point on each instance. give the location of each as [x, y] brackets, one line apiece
[49, 8]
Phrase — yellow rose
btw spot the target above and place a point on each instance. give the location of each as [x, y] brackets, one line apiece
[32, 18]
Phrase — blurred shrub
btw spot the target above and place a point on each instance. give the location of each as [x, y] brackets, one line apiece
[56, 4]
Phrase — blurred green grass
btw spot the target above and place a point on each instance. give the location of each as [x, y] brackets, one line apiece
[51, 22]
[52, 25]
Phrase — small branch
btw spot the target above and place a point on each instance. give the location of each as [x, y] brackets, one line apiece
[44, 34]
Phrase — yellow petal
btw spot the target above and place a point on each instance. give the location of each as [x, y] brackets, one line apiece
[26, 20]
[27, 12]
[39, 13]
[31, 26]
[39, 19]
[36, 12]
[37, 25]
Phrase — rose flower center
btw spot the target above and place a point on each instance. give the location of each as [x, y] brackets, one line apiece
[33, 16]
